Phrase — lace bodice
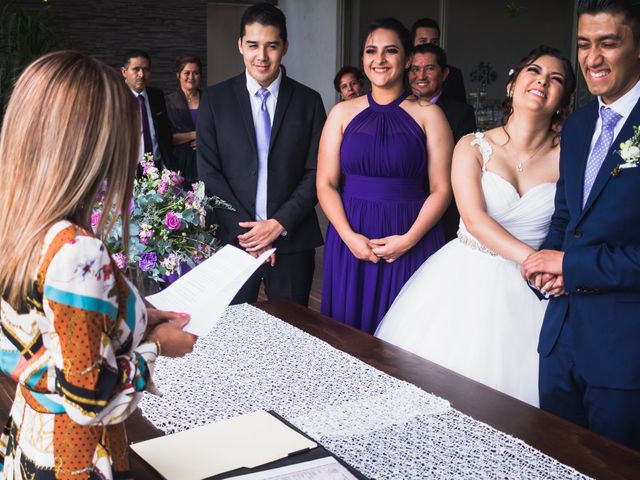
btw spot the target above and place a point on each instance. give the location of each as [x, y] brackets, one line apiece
[526, 217]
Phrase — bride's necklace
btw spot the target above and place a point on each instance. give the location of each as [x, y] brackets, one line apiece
[520, 165]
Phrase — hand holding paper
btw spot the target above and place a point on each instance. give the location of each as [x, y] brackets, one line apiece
[206, 291]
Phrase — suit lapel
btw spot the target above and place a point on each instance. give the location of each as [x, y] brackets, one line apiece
[153, 108]
[581, 153]
[242, 96]
[284, 97]
[613, 158]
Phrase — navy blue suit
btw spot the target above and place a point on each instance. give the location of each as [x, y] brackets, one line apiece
[590, 340]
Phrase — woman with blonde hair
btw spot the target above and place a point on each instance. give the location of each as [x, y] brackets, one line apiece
[76, 335]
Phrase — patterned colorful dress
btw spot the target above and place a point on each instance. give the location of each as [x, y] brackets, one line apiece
[75, 350]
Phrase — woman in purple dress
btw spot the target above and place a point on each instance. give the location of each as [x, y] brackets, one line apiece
[385, 219]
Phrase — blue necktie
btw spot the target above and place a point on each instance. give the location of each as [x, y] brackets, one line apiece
[263, 137]
[609, 120]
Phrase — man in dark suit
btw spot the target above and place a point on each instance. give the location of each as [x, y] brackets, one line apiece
[427, 73]
[258, 136]
[427, 31]
[155, 134]
[590, 262]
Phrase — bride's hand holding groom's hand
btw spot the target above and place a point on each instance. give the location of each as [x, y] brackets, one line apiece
[552, 285]
[543, 270]
[555, 288]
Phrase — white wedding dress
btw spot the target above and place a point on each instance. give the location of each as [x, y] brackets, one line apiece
[468, 309]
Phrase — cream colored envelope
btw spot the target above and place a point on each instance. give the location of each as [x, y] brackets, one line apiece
[248, 441]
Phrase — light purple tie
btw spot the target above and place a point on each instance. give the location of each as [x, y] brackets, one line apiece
[263, 137]
[609, 120]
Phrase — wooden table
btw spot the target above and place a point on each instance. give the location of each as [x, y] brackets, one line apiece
[572, 445]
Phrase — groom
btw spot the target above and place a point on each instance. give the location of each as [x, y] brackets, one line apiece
[590, 263]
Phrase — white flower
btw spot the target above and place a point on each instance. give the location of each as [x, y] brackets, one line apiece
[630, 153]
[170, 262]
[152, 172]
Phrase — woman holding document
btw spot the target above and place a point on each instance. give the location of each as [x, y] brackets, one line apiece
[75, 334]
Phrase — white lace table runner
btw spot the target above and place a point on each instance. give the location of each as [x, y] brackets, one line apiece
[384, 427]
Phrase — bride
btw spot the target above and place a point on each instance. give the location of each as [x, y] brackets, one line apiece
[467, 307]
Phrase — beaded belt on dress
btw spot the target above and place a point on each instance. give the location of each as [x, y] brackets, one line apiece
[474, 244]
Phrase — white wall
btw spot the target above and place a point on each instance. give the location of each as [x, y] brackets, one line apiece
[312, 59]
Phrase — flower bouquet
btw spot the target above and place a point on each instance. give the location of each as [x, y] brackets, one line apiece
[168, 234]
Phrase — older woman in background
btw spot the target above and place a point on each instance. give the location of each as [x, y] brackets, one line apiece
[75, 334]
[349, 82]
[182, 107]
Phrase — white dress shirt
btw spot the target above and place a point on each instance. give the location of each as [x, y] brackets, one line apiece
[252, 87]
[152, 130]
[623, 107]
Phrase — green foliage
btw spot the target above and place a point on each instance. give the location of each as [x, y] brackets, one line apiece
[24, 36]
[511, 8]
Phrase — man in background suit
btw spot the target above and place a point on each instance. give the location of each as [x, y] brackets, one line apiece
[155, 134]
[258, 136]
[427, 31]
[427, 73]
[590, 262]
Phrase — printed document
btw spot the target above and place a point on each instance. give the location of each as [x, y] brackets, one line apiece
[206, 291]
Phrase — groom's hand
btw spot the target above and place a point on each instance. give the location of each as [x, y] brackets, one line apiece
[544, 261]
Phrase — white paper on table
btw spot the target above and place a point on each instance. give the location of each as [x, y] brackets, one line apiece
[326, 468]
[246, 441]
[205, 291]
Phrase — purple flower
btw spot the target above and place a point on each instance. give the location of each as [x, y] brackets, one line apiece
[120, 259]
[102, 192]
[172, 221]
[132, 206]
[177, 178]
[145, 235]
[163, 188]
[95, 219]
[147, 261]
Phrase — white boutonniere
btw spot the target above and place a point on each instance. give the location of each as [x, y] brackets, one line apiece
[629, 152]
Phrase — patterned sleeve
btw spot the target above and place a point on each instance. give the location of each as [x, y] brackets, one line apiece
[97, 322]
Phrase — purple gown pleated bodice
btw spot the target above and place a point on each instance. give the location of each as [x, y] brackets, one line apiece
[384, 163]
